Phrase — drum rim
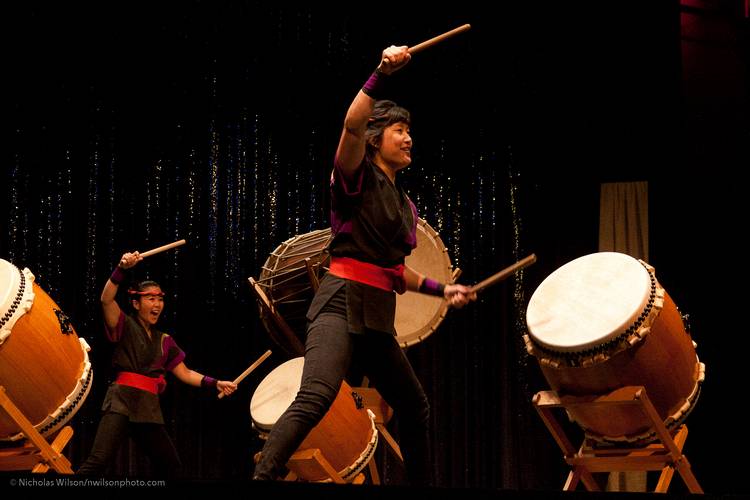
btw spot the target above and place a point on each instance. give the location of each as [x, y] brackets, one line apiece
[649, 302]
[411, 338]
[288, 365]
[70, 405]
[671, 422]
[19, 298]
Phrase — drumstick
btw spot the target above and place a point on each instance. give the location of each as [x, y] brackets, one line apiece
[439, 38]
[250, 369]
[162, 248]
[504, 273]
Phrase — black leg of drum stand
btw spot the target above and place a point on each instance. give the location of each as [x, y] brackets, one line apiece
[40, 456]
[665, 456]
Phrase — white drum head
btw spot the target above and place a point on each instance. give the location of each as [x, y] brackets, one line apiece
[16, 296]
[275, 393]
[588, 302]
[9, 282]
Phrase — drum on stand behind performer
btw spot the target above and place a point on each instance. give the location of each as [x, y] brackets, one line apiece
[351, 318]
[142, 356]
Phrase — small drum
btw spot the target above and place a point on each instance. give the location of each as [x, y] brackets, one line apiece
[602, 322]
[286, 282]
[44, 366]
[346, 436]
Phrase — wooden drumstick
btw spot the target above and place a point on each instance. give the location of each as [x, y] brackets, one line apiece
[497, 277]
[250, 369]
[162, 248]
[439, 38]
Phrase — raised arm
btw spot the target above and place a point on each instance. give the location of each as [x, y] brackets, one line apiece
[351, 149]
[109, 306]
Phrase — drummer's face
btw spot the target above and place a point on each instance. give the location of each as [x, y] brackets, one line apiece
[395, 145]
[149, 307]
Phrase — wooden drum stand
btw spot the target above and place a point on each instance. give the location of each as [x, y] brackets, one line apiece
[34, 453]
[665, 454]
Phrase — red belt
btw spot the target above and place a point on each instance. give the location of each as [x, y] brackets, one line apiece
[386, 278]
[154, 385]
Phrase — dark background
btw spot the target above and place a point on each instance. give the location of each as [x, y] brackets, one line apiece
[144, 123]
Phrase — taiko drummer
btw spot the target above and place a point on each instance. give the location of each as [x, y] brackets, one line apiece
[351, 318]
[141, 358]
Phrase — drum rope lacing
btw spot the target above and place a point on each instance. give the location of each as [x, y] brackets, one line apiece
[577, 358]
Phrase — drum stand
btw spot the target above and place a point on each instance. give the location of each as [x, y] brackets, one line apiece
[288, 339]
[312, 463]
[34, 453]
[665, 455]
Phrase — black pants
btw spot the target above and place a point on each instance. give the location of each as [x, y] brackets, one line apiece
[151, 438]
[329, 351]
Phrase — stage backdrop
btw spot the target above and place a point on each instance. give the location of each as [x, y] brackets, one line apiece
[217, 123]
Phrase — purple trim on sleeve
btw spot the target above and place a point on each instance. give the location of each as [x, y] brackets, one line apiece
[350, 187]
[172, 355]
[114, 335]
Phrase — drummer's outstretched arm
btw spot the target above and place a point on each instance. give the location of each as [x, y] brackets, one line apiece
[456, 295]
[192, 377]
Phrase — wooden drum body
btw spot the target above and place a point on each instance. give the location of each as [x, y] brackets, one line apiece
[602, 322]
[285, 280]
[44, 365]
[346, 435]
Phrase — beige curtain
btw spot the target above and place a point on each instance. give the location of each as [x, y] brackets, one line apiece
[623, 227]
[623, 218]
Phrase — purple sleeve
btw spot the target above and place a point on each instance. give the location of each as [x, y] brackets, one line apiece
[349, 187]
[172, 355]
[114, 335]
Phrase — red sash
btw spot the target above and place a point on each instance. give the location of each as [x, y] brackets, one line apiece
[154, 385]
[386, 278]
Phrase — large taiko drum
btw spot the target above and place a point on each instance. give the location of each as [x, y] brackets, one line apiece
[602, 322]
[44, 365]
[346, 436]
[285, 280]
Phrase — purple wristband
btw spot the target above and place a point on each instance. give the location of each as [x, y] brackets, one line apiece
[118, 276]
[375, 84]
[207, 381]
[432, 287]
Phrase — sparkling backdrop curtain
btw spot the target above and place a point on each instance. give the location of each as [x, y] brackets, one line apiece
[217, 123]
